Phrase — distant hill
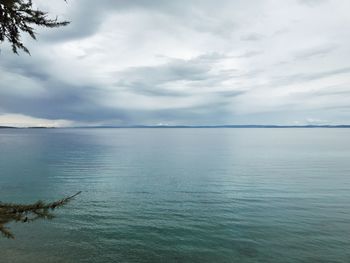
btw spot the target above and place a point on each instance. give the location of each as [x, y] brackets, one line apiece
[185, 126]
[218, 126]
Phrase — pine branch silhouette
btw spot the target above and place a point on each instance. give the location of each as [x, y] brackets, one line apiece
[19, 16]
[27, 213]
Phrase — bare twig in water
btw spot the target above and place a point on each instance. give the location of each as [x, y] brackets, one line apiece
[28, 213]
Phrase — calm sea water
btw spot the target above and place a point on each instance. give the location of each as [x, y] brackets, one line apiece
[180, 195]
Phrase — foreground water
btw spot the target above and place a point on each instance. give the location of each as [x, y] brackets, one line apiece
[180, 195]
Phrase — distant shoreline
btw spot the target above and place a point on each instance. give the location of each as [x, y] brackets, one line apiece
[184, 127]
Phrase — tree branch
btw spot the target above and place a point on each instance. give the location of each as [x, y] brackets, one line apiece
[28, 213]
[16, 18]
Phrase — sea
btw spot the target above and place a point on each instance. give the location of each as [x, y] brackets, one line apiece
[179, 194]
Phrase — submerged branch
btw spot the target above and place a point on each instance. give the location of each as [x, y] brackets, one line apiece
[28, 213]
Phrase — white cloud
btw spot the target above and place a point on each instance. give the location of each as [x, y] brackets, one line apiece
[20, 120]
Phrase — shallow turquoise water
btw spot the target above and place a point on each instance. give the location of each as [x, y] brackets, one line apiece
[180, 195]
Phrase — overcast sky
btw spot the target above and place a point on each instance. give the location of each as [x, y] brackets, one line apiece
[194, 62]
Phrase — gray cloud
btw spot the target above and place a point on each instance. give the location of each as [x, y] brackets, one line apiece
[196, 73]
[315, 52]
[305, 77]
[87, 16]
[312, 2]
[250, 54]
[252, 37]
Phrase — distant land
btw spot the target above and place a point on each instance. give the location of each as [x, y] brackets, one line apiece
[183, 126]
[222, 126]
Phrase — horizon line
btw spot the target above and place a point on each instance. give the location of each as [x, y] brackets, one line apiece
[182, 126]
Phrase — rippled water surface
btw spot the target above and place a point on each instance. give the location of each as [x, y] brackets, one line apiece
[180, 195]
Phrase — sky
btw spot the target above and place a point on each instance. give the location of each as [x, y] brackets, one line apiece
[184, 62]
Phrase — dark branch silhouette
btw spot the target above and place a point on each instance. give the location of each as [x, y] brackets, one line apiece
[28, 213]
[19, 16]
